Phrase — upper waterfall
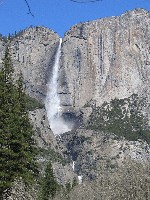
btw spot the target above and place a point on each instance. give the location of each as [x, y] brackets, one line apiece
[52, 103]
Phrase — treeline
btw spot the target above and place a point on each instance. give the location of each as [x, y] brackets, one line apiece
[18, 151]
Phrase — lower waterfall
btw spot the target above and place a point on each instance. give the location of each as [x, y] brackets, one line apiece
[52, 103]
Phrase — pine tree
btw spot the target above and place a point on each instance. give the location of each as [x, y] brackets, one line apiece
[49, 185]
[17, 154]
[29, 150]
[6, 107]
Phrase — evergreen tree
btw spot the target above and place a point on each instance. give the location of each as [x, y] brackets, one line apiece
[17, 153]
[6, 107]
[49, 185]
[23, 142]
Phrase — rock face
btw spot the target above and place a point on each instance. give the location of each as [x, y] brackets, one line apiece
[2, 48]
[44, 135]
[33, 52]
[106, 59]
[89, 149]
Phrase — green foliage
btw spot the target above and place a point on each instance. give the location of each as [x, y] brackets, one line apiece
[88, 104]
[17, 153]
[74, 182]
[68, 187]
[32, 103]
[51, 155]
[122, 117]
[49, 184]
[3, 38]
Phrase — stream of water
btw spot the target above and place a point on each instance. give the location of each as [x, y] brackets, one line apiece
[52, 103]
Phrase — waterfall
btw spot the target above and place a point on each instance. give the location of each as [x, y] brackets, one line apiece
[73, 165]
[80, 179]
[52, 103]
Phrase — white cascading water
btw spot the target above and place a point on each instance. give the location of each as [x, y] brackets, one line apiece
[80, 179]
[73, 165]
[52, 104]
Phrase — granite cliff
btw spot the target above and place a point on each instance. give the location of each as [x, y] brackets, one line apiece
[114, 52]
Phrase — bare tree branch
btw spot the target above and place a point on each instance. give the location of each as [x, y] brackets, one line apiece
[29, 9]
[75, 1]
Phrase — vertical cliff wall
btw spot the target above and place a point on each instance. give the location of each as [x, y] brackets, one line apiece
[33, 53]
[106, 59]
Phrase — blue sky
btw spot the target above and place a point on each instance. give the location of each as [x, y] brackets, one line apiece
[59, 15]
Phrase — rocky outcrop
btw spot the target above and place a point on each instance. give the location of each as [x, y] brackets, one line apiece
[43, 134]
[119, 185]
[64, 174]
[89, 149]
[106, 59]
[20, 191]
[2, 49]
[33, 52]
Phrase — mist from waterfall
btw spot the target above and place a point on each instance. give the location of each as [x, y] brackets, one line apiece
[52, 103]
